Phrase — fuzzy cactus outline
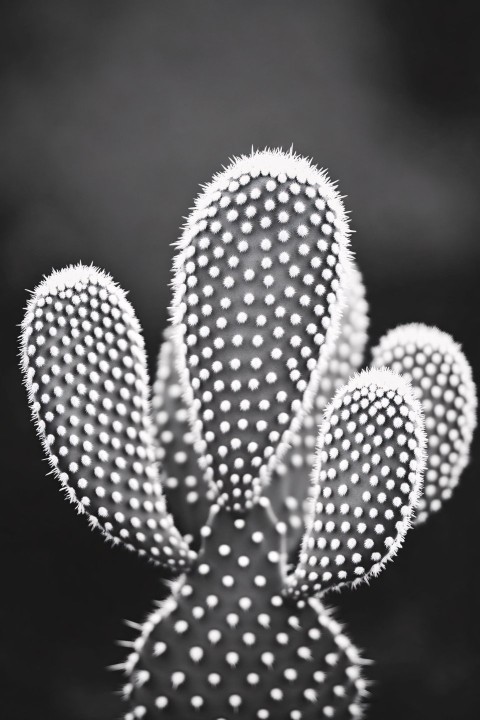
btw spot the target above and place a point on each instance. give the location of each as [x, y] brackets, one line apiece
[297, 668]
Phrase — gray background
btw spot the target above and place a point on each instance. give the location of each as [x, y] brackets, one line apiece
[112, 114]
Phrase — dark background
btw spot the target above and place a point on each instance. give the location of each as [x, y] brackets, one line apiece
[112, 114]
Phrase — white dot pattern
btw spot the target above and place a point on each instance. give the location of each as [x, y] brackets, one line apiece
[260, 281]
[253, 653]
[254, 302]
[85, 370]
[187, 494]
[189, 497]
[291, 489]
[442, 380]
[370, 459]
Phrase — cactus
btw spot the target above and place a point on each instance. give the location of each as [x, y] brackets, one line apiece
[210, 478]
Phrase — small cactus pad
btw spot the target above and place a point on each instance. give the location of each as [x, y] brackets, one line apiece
[228, 645]
[347, 353]
[289, 491]
[85, 370]
[257, 304]
[370, 458]
[442, 380]
[189, 497]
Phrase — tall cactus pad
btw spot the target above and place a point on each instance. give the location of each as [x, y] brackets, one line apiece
[442, 379]
[257, 303]
[228, 645]
[185, 488]
[368, 479]
[85, 370]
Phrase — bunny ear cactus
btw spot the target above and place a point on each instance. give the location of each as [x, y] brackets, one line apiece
[210, 478]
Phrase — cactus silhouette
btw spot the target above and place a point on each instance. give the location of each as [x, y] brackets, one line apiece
[211, 477]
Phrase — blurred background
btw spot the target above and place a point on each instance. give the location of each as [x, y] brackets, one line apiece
[112, 114]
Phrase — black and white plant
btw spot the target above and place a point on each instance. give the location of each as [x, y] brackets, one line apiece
[211, 476]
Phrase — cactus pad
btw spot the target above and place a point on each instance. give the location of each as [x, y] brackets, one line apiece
[370, 459]
[258, 299]
[85, 369]
[442, 380]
